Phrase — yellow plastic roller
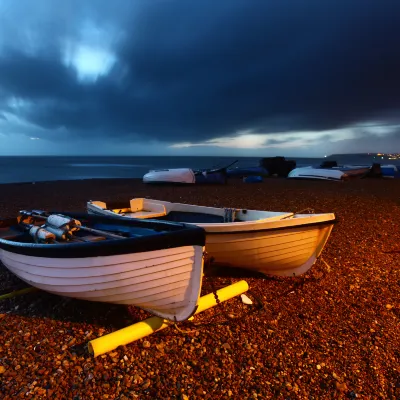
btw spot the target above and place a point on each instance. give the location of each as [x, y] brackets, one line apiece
[144, 328]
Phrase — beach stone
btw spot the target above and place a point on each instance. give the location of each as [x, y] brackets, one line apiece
[348, 329]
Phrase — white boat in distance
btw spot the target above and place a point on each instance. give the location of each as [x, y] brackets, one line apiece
[153, 265]
[273, 243]
[174, 175]
[185, 176]
[339, 173]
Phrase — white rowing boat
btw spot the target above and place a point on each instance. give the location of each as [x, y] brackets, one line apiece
[274, 243]
[338, 174]
[154, 265]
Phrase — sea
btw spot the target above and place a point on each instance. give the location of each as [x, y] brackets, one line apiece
[19, 169]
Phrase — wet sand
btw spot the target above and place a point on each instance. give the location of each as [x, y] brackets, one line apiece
[331, 333]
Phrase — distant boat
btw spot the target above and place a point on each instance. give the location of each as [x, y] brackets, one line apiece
[390, 171]
[187, 175]
[174, 175]
[273, 243]
[154, 265]
[184, 176]
[330, 171]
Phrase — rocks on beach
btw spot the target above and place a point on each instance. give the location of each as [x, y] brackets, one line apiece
[332, 333]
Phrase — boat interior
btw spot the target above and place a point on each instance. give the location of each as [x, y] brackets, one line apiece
[186, 213]
[101, 231]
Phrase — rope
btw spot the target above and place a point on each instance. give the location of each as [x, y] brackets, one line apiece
[328, 267]
[18, 293]
[230, 214]
[310, 211]
[208, 261]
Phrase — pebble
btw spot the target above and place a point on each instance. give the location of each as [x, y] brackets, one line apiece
[264, 354]
[226, 346]
[342, 387]
[146, 384]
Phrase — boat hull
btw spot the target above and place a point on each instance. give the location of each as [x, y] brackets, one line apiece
[337, 174]
[274, 243]
[390, 171]
[317, 173]
[174, 175]
[165, 282]
[286, 252]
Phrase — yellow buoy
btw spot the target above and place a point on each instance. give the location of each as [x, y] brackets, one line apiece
[144, 328]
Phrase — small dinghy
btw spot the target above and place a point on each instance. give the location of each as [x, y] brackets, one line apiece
[187, 175]
[390, 171]
[184, 176]
[274, 243]
[174, 175]
[154, 265]
[338, 173]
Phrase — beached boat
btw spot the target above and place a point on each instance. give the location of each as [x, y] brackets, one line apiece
[188, 175]
[154, 265]
[174, 175]
[339, 173]
[274, 243]
[184, 176]
[390, 171]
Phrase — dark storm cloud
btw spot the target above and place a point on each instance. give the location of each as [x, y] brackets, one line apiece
[192, 71]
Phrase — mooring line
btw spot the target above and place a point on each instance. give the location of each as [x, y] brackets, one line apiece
[16, 293]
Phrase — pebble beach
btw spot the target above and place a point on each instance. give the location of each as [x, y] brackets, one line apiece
[332, 333]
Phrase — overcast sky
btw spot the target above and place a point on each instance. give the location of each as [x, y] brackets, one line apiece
[206, 77]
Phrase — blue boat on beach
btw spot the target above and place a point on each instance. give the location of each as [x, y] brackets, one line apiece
[247, 171]
[390, 171]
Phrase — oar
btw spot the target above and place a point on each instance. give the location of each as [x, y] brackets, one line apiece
[216, 169]
[100, 232]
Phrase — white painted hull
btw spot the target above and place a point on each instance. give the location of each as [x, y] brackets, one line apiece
[175, 175]
[330, 174]
[317, 173]
[166, 282]
[274, 243]
[285, 252]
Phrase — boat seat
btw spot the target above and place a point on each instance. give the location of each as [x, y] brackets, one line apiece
[142, 208]
[145, 214]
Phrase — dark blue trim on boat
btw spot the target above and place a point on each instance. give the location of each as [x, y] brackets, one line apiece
[165, 235]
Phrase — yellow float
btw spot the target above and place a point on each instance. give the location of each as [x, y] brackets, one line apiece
[127, 335]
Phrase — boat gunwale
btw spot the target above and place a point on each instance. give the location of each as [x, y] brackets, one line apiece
[179, 235]
[214, 228]
[279, 228]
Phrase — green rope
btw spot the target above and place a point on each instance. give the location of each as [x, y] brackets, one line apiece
[18, 293]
